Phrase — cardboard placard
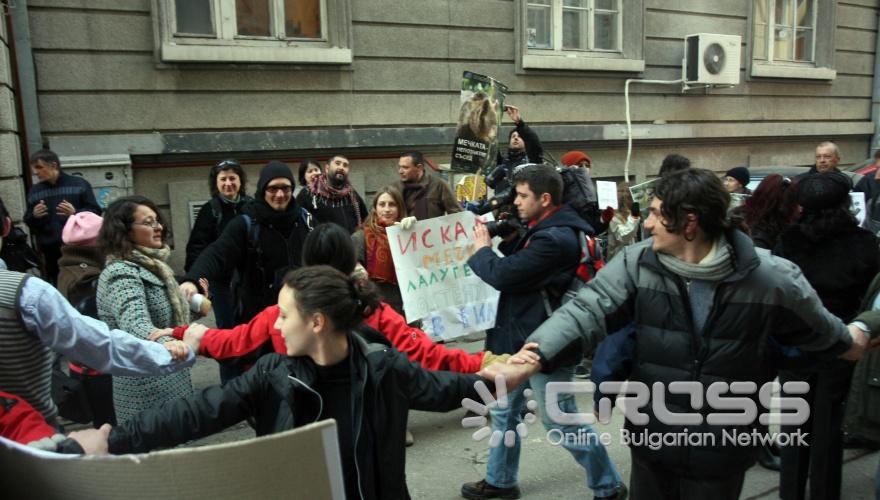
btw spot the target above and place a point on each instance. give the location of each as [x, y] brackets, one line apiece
[435, 281]
[302, 463]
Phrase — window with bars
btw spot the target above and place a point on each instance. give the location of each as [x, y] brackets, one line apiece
[595, 35]
[306, 31]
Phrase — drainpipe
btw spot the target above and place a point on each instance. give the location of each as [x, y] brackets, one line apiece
[875, 96]
[22, 63]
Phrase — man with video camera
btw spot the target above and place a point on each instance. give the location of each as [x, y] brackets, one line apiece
[540, 265]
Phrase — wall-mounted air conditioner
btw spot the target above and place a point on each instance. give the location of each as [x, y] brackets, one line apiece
[711, 60]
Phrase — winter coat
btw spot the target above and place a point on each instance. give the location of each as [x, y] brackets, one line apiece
[862, 418]
[414, 343]
[277, 394]
[439, 199]
[74, 189]
[213, 217]
[262, 253]
[544, 258]
[339, 211]
[134, 300]
[839, 267]
[765, 295]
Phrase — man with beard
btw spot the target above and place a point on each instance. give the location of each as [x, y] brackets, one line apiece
[523, 147]
[331, 198]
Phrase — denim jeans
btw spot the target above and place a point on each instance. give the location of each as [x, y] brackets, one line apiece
[503, 467]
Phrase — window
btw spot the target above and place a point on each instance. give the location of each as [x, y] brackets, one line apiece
[787, 40]
[283, 31]
[582, 34]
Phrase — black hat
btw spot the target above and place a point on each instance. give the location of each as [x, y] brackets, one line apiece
[741, 174]
[273, 170]
[818, 191]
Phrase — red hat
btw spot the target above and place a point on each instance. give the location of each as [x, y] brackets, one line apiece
[572, 158]
[82, 229]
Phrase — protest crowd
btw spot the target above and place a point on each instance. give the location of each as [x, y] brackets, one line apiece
[691, 277]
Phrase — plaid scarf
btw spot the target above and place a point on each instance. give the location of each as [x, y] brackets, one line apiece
[321, 187]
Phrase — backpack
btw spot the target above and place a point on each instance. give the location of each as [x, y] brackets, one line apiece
[578, 193]
[591, 261]
[17, 252]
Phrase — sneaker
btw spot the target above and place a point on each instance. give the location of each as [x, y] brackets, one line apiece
[621, 494]
[582, 370]
[481, 489]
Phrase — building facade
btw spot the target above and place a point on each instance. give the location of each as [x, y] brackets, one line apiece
[151, 93]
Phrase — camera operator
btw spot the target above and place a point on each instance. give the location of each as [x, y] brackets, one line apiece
[523, 148]
[545, 258]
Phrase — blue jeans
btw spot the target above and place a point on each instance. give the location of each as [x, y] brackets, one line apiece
[503, 468]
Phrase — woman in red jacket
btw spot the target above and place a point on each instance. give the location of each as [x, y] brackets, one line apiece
[331, 245]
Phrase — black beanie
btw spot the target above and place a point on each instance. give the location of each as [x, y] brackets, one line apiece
[741, 174]
[818, 191]
[273, 170]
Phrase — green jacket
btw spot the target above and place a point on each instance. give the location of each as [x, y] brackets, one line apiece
[863, 405]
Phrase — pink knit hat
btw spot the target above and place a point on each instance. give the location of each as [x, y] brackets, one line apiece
[82, 229]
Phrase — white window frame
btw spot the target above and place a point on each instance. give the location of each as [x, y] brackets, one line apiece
[820, 68]
[334, 46]
[628, 57]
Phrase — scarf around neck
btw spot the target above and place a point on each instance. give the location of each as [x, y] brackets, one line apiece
[153, 260]
[320, 186]
[717, 265]
[380, 265]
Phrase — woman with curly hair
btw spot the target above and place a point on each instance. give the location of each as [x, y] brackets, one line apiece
[769, 210]
[839, 259]
[137, 293]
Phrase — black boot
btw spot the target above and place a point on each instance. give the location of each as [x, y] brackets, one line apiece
[482, 489]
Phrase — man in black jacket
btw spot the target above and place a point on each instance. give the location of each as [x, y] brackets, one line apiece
[705, 304]
[536, 270]
[331, 198]
[50, 202]
[262, 244]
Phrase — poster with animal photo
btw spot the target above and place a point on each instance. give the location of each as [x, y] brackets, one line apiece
[479, 120]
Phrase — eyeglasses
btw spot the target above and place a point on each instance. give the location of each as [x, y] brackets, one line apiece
[153, 223]
[284, 189]
[223, 165]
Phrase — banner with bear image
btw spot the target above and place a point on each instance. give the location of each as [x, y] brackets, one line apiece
[479, 121]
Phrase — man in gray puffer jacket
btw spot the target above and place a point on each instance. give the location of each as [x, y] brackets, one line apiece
[705, 304]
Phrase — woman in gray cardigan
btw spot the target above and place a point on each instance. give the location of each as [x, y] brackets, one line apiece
[137, 293]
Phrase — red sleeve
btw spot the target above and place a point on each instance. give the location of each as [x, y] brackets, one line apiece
[243, 339]
[20, 422]
[418, 346]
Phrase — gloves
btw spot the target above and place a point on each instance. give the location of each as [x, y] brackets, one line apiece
[607, 215]
[489, 358]
[407, 223]
[360, 273]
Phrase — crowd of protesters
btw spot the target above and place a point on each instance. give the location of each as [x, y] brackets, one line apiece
[713, 281]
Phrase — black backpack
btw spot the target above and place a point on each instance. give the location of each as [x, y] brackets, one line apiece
[578, 193]
[17, 252]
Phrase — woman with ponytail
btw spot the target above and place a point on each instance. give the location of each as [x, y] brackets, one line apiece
[328, 372]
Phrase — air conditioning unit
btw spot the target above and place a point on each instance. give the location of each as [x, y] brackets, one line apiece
[711, 59]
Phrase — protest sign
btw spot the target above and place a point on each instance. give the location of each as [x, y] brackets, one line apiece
[607, 193]
[482, 106]
[641, 194]
[302, 463]
[858, 206]
[435, 281]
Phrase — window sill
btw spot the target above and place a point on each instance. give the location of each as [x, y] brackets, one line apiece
[582, 63]
[798, 72]
[172, 52]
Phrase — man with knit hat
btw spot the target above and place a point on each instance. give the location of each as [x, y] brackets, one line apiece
[330, 197]
[736, 179]
[262, 244]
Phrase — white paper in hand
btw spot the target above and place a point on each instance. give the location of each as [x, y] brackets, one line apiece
[607, 193]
